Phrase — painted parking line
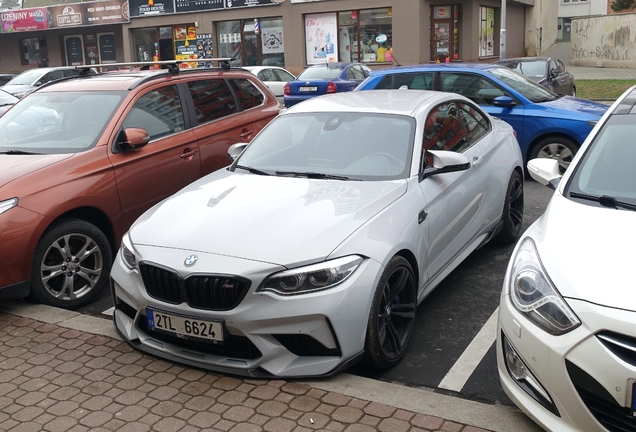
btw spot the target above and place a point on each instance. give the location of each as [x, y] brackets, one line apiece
[466, 364]
[109, 312]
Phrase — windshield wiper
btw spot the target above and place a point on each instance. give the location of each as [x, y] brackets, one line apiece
[311, 175]
[252, 170]
[19, 152]
[604, 200]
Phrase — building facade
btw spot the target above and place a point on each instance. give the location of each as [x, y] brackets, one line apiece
[289, 33]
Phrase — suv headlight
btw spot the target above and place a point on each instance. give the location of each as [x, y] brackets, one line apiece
[127, 254]
[8, 204]
[315, 277]
[534, 295]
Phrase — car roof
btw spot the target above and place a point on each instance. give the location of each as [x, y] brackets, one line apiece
[401, 102]
[525, 59]
[439, 67]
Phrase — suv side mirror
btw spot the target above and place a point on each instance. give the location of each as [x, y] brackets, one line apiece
[133, 138]
[235, 150]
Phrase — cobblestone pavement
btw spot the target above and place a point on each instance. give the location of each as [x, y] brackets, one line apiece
[58, 379]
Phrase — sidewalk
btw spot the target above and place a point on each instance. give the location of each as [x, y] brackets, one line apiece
[64, 371]
[593, 73]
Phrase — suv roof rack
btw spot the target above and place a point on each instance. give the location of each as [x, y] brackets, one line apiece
[171, 65]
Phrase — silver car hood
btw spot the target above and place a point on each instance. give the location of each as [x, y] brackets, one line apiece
[280, 220]
[589, 251]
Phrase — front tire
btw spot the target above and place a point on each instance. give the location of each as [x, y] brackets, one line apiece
[559, 148]
[392, 315]
[512, 217]
[70, 265]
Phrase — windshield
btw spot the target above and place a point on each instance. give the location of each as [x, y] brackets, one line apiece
[57, 122]
[6, 98]
[28, 77]
[608, 166]
[528, 88]
[352, 145]
[534, 69]
[320, 72]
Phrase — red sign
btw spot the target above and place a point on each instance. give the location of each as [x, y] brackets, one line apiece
[21, 20]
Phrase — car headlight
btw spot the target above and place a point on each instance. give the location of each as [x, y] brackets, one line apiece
[534, 295]
[127, 254]
[315, 277]
[8, 204]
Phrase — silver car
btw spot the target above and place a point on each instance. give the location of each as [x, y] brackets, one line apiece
[314, 248]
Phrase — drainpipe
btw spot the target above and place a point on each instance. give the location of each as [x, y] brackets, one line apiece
[502, 32]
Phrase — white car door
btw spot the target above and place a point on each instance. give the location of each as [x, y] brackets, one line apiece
[455, 214]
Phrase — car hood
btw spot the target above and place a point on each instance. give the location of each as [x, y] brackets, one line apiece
[18, 90]
[280, 220]
[589, 252]
[570, 103]
[16, 166]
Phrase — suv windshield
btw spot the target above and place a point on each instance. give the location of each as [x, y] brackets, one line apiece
[352, 146]
[528, 88]
[320, 72]
[607, 168]
[57, 122]
[28, 77]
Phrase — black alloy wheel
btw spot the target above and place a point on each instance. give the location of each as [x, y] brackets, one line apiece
[512, 216]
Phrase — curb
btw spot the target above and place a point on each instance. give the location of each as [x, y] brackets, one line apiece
[496, 418]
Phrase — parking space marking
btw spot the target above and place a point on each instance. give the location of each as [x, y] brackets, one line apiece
[109, 312]
[466, 364]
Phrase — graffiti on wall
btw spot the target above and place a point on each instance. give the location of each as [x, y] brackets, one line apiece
[604, 38]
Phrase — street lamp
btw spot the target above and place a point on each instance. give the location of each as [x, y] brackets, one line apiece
[502, 32]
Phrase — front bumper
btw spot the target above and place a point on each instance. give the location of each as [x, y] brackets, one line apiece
[266, 335]
[589, 381]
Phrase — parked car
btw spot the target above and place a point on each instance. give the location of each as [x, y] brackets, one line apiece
[325, 79]
[6, 101]
[547, 71]
[315, 246]
[82, 158]
[566, 337]
[5, 78]
[31, 79]
[547, 125]
[274, 77]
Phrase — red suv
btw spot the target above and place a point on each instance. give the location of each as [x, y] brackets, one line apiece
[82, 158]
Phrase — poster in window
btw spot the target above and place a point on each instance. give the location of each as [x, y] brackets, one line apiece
[272, 40]
[74, 50]
[106, 42]
[205, 49]
[321, 38]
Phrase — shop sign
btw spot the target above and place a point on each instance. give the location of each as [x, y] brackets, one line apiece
[20, 20]
[90, 13]
[321, 38]
[441, 12]
[145, 8]
[248, 3]
[197, 5]
[304, 1]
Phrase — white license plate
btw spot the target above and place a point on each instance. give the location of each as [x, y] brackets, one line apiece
[185, 326]
[307, 89]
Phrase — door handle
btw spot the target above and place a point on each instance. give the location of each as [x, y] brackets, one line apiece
[187, 153]
[421, 217]
[476, 160]
[246, 133]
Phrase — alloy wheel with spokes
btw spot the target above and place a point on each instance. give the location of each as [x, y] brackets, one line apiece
[512, 215]
[561, 149]
[392, 315]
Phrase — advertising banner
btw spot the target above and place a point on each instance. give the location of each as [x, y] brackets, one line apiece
[247, 3]
[20, 20]
[321, 38]
[197, 5]
[90, 13]
[204, 48]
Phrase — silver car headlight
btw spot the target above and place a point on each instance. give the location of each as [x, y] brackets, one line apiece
[534, 295]
[315, 277]
[127, 254]
[8, 204]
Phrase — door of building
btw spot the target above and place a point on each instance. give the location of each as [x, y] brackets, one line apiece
[444, 33]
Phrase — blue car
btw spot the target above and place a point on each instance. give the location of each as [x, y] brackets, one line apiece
[324, 79]
[547, 125]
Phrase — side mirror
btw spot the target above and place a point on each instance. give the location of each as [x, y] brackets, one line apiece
[235, 150]
[545, 171]
[504, 101]
[554, 73]
[446, 161]
[133, 138]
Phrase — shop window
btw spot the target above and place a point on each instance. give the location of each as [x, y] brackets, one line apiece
[486, 32]
[145, 42]
[212, 100]
[365, 35]
[239, 40]
[158, 112]
[34, 52]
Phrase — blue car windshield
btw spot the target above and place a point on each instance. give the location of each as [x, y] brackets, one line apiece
[523, 85]
[320, 72]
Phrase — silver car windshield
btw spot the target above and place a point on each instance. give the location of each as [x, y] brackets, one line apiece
[531, 90]
[354, 146]
[608, 168]
[57, 122]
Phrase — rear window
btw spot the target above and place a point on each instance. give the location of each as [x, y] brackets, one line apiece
[320, 72]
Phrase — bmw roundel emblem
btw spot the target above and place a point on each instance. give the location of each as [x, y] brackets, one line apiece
[191, 260]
